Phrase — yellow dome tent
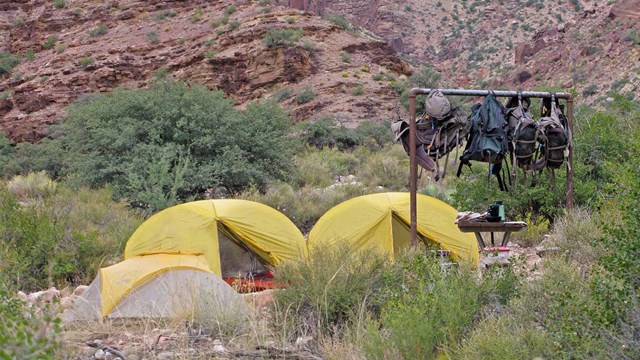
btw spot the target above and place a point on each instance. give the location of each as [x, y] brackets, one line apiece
[247, 234]
[384, 220]
[155, 286]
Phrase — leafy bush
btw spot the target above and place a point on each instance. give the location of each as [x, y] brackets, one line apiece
[358, 90]
[327, 290]
[51, 40]
[174, 142]
[305, 205]
[230, 10]
[338, 20]
[424, 308]
[282, 37]
[86, 61]
[35, 185]
[505, 338]
[305, 95]
[59, 4]
[24, 333]
[99, 31]
[63, 238]
[345, 57]
[153, 37]
[7, 157]
[8, 61]
[282, 94]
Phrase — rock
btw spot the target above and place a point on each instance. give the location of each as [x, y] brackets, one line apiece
[523, 76]
[303, 341]
[542, 250]
[166, 355]
[22, 296]
[99, 354]
[567, 84]
[67, 301]
[625, 10]
[80, 290]
[44, 296]
[526, 50]
[561, 27]
[218, 347]
[609, 99]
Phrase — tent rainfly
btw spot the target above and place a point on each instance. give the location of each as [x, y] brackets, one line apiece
[384, 220]
[157, 286]
[236, 237]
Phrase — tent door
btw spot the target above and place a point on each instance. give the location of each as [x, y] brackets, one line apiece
[401, 232]
[236, 260]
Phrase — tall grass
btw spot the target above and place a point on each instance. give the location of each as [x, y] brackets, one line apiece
[327, 291]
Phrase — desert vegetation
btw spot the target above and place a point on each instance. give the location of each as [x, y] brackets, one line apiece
[69, 203]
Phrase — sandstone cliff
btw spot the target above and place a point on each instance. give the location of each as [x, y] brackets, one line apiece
[94, 46]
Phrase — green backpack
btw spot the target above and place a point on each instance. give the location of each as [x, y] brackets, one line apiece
[488, 138]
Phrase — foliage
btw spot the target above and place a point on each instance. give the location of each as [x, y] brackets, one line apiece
[62, 238]
[35, 185]
[358, 90]
[338, 20]
[282, 37]
[59, 4]
[25, 333]
[99, 30]
[306, 204]
[603, 141]
[282, 94]
[426, 306]
[326, 290]
[86, 61]
[8, 61]
[51, 40]
[172, 143]
[323, 132]
[305, 95]
[7, 156]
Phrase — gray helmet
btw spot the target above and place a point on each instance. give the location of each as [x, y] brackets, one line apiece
[437, 105]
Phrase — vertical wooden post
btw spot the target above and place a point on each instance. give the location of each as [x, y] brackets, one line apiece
[413, 168]
[570, 157]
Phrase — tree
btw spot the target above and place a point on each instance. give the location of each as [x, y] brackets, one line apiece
[174, 142]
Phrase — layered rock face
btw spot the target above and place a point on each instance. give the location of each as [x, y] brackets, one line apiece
[575, 44]
[95, 46]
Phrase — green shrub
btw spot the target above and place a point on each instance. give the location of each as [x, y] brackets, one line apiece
[8, 157]
[99, 31]
[291, 20]
[234, 25]
[25, 333]
[174, 142]
[153, 37]
[59, 4]
[230, 10]
[197, 15]
[305, 205]
[327, 290]
[425, 308]
[345, 57]
[633, 36]
[60, 48]
[86, 61]
[358, 90]
[8, 61]
[590, 90]
[282, 37]
[305, 95]
[388, 168]
[18, 21]
[505, 338]
[35, 185]
[62, 238]
[51, 40]
[338, 20]
[282, 94]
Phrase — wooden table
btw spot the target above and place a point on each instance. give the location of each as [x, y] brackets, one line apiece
[479, 227]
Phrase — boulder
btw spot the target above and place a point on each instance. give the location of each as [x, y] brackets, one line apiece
[625, 10]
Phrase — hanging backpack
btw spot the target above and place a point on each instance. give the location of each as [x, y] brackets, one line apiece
[554, 125]
[488, 138]
[441, 129]
[527, 139]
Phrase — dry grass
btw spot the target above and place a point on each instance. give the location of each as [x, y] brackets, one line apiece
[35, 185]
